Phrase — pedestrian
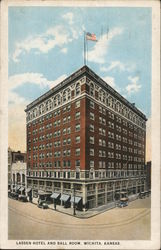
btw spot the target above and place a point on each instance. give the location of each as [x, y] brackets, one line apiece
[55, 205]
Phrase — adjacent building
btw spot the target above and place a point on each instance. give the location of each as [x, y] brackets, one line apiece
[148, 175]
[85, 139]
[19, 176]
[17, 170]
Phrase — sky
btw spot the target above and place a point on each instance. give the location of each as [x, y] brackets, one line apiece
[46, 45]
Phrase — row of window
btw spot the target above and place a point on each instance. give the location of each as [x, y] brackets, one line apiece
[58, 132]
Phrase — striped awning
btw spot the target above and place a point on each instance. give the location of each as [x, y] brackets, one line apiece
[65, 197]
[55, 195]
[41, 192]
[21, 189]
[28, 190]
[77, 199]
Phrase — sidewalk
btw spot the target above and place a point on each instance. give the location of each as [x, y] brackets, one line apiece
[80, 214]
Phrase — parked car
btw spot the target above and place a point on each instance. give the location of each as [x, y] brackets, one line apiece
[123, 202]
[22, 198]
[14, 195]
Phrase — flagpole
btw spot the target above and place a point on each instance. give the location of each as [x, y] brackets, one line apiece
[84, 48]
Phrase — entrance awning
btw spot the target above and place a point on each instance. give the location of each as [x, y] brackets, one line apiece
[55, 195]
[77, 199]
[28, 190]
[123, 192]
[41, 192]
[65, 197]
[17, 188]
[124, 199]
[22, 189]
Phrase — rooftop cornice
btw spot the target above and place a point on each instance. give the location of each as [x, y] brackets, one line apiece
[87, 71]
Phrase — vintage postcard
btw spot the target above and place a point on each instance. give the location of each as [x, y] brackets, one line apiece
[80, 124]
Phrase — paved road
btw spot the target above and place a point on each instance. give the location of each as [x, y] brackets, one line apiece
[27, 221]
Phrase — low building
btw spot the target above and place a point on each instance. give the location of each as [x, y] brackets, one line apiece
[18, 176]
[9, 166]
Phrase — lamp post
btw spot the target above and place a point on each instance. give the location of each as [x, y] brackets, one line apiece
[74, 213]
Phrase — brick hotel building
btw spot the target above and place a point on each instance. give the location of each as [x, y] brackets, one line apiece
[84, 137]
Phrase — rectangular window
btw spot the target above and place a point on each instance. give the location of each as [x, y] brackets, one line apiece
[100, 131]
[100, 142]
[77, 127]
[77, 115]
[77, 104]
[68, 130]
[64, 131]
[100, 109]
[91, 139]
[91, 127]
[68, 152]
[77, 151]
[77, 139]
[91, 104]
[100, 153]
[91, 115]
[68, 141]
[91, 164]
[91, 152]
[77, 163]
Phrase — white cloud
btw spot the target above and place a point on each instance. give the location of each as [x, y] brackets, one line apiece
[64, 50]
[98, 53]
[17, 80]
[119, 65]
[69, 17]
[17, 105]
[133, 86]
[34, 78]
[55, 36]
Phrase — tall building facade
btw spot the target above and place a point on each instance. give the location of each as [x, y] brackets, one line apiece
[84, 137]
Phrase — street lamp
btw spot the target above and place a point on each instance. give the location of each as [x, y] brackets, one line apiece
[74, 213]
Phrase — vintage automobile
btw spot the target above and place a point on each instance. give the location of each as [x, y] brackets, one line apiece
[123, 202]
[22, 198]
[14, 195]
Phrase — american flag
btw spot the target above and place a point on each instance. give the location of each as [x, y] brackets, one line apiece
[91, 37]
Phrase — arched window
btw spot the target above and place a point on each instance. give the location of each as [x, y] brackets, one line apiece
[14, 178]
[68, 94]
[34, 112]
[58, 99]
[125, 112]
[55, 102]
[130, 115]
[110, 101]
[18, 178]
[91, 89]
[101, 96]
[23, 178]
[118, 107]
[41, 109]
[48, 105]
[64, 96]
[77, 89]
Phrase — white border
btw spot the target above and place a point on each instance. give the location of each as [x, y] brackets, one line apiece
[155, 218]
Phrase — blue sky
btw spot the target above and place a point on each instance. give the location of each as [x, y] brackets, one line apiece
[46, 45]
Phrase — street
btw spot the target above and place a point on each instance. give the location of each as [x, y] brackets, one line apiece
[27, 221]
